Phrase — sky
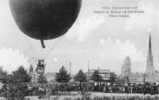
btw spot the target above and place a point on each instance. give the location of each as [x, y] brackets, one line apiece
[94, 40]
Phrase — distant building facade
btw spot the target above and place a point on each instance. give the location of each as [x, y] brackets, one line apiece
[126, 69]
[150, 69]
[150, 75]
[149, 62]
[104, 73]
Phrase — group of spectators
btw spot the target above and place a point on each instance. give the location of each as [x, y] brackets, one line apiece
[146, 88]
[57, 88]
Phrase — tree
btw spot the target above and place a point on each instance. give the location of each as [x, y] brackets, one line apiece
[113, 77]
[21, 75]
[3, 75]
[80, 77]
[17, 85]
[62, 75]
[3, 80]
[97, 78]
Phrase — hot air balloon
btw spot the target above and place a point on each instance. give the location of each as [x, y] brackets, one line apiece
[45, 19]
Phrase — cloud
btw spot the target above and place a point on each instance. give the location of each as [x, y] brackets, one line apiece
[89, 26]
[113, 50]
[83, 29]
[118, 49]
[11, 59]
[145, 20]
[55, 59]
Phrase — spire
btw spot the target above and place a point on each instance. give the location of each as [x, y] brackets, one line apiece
[150, 56]
[150, 51]
[150, 65]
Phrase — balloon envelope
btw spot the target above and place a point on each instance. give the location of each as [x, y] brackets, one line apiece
[45, 19]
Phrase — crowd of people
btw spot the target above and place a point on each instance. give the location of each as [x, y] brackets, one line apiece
[146, 88]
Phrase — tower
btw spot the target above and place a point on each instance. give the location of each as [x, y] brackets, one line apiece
[149, 63]
[126, 69]
[40, 69]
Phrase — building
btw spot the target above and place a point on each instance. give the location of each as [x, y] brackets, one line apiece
[126, 69]
[136, 78]
[39, 70]
[150, 70]
[150, 75]
[149, 62]
[104, 73]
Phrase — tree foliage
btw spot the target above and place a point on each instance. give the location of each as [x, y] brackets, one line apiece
[20, 75]
[62, 75]
[113, 77]
[80, 76]
[3, 75]
[16, 86]
[96, 76]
